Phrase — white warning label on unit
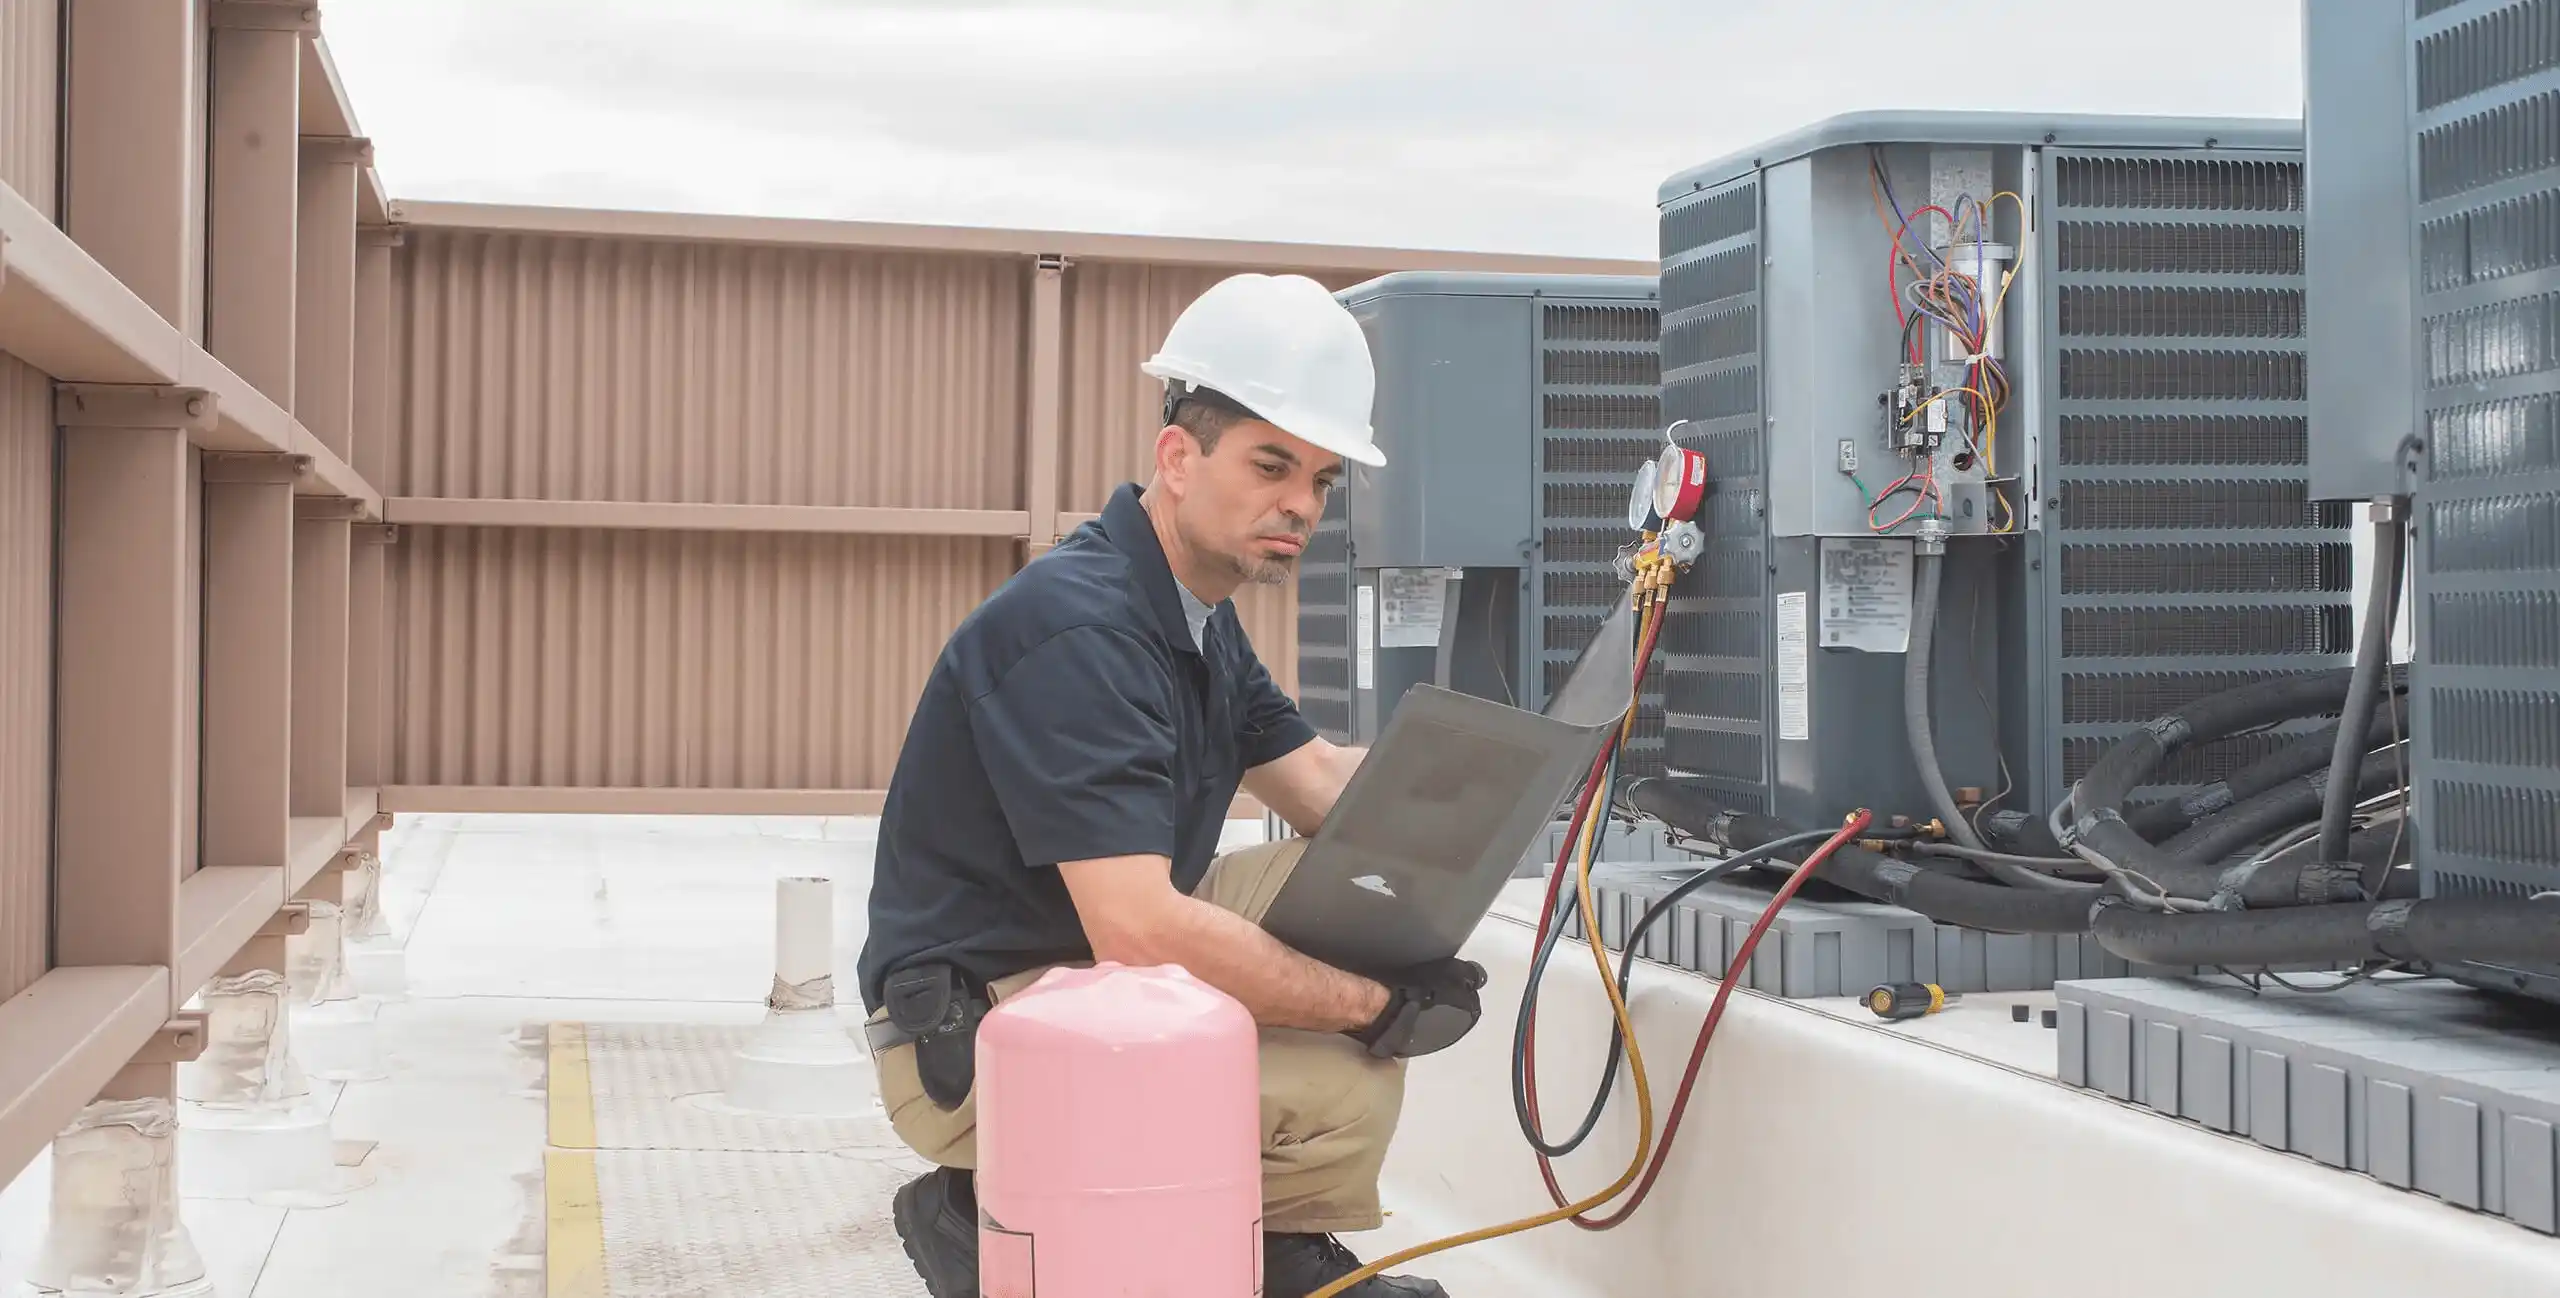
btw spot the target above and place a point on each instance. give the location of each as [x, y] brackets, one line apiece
[1866, 594]
[1364, 640]
[1410, 604]
[1795, 694]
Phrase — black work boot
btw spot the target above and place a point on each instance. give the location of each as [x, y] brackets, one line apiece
[937, 1216]
[1294, 1266]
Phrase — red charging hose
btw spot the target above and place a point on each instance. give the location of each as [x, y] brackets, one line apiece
[1855, 825]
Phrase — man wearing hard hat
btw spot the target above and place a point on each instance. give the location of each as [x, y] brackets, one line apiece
[1069, 767]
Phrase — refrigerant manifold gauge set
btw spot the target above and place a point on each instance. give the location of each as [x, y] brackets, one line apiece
[1663, 509]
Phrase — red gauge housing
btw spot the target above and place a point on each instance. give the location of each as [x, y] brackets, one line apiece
[1681, 485]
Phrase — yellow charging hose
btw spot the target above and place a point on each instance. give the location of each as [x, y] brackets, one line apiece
[1651, 592]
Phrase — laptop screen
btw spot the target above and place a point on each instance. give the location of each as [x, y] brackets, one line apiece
[1448, 790]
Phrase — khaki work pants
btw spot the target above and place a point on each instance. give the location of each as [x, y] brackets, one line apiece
[1328, 1108]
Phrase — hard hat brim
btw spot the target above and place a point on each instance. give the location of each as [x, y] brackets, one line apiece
[1356, 446]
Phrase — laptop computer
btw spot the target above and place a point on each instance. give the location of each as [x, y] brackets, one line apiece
[1429, 829]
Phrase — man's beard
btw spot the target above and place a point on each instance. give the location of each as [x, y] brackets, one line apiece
[1258, 570]
[1274, 571]
[1268, 570]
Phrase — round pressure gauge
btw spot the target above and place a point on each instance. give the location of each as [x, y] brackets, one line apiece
[1641, 514]
[1680, 484]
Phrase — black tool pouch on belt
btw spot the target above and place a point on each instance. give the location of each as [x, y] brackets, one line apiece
[935, 1004]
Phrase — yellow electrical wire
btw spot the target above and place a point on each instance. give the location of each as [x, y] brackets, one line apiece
[1991, 426]
[1653, 600]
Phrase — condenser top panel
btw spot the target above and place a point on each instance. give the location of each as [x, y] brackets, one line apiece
[2067, 130]
[1443, 283]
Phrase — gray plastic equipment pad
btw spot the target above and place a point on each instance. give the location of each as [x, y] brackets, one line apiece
[1830, 948]
[2427, 1086]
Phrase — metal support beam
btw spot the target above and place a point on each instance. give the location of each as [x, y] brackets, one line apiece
[320, 562]
[256, 167]
[373, 420]
[325, 290]
[134, 149]
[153, 1072]
[121, 677]
[1044, 430]
[299, 17]
[368, 659]
[254, 467]
[672, 516]
[248, 671]
[135, 406]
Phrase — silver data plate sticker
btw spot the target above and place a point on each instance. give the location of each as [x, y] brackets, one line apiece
[1795, 693]
[1866, 594]
[1364, 650]
[1411, 602]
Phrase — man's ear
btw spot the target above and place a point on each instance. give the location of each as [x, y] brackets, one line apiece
[1175, 452]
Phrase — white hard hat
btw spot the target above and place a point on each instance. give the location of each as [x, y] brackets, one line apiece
[1283, 348]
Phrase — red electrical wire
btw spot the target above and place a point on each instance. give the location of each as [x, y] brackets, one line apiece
[1855, 825]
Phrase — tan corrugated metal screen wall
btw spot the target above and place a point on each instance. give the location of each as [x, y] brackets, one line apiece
[688, 505]
[535, 368]
[668, 660]
[591, 369]
[758, 657]
[30, 87]
[26, 670]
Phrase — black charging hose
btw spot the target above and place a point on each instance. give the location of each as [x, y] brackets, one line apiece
[1530, 1127]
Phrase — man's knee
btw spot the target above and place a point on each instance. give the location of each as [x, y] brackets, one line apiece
[1328, 1113]
[943, 1137]
[1319, 1086]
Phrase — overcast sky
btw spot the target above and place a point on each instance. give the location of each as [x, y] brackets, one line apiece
[1515, 125]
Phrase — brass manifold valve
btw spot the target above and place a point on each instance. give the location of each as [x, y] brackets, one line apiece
[1668, 493]
[1664, 556]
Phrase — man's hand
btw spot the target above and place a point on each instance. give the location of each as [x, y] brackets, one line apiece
[1429, 1008]
[1132, 914]
[1303, 786]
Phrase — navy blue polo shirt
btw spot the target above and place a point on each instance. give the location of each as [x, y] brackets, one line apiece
[1070, 716]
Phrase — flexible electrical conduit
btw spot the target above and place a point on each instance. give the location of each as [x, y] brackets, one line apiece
[2373, 659]
[1927, 571]
[1928, 574]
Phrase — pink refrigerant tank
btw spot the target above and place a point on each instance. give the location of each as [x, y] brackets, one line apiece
[1119, 1139]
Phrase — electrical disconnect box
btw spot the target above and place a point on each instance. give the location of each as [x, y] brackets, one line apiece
[1513, 410]
[2061, 357]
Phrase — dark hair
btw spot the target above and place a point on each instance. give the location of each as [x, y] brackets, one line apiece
[1206, 423]
[1205, 413]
